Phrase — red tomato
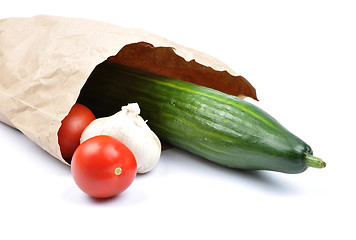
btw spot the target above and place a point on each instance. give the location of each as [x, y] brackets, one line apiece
[102, 166]
[72, 127]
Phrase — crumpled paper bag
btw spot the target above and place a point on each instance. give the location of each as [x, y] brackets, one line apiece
[46, 60]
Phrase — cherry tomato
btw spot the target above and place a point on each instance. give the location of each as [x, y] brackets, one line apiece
[103, 167]
[72, 127]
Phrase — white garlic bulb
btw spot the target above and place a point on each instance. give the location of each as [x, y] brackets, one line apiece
[129, 127]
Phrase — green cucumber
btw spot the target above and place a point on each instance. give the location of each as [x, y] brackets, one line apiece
[222, 128]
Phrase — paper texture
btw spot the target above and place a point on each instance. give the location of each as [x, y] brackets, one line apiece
[45, 61]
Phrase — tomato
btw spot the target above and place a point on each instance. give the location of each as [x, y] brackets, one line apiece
[103, 166]
[71, 129]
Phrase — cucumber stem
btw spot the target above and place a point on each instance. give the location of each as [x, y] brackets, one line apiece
[312, 161]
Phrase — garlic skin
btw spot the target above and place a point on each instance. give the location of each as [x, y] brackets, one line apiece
[129, 127]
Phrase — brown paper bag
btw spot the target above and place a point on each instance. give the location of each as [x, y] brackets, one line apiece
[46, 60]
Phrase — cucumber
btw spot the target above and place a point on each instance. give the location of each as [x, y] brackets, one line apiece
[219, 127]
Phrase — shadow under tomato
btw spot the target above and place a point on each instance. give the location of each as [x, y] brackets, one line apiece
[105, 200]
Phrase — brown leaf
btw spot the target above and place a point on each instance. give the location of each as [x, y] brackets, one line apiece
[164, 61]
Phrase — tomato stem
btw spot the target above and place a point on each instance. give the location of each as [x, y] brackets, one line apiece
[118, 171]
[312, 161]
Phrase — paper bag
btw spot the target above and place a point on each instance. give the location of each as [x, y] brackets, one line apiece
[46, 60]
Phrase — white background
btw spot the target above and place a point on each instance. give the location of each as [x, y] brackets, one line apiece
[300, 56]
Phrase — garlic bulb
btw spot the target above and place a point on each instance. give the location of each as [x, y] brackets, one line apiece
[128, 127]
